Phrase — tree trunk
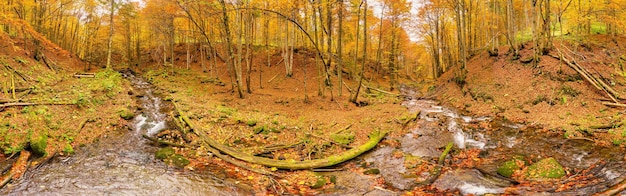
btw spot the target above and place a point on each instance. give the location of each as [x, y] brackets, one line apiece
[340, 49]
[110, 41]
[235, 69]
[354, 99]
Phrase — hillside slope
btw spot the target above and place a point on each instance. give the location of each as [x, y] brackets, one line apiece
[42, 103]
[552, 95]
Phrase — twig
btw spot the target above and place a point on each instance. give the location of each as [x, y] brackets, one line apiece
[273, 78]
[342, 129]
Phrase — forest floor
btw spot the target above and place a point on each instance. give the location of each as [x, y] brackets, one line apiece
[551, 95]
[51, 112]
[286, 113]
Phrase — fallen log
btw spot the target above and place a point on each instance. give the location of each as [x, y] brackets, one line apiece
[212, 151]
[29, 104]
[380, 90]
[612, 104]
[84, 75]
[375, 138]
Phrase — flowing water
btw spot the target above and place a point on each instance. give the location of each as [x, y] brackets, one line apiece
[499, 142]
[122, 164]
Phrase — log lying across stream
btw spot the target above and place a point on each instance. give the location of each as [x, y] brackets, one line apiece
[375, 138]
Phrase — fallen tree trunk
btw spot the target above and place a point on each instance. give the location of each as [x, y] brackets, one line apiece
[29, 104]
[613, 104]
[375, 138]
[84, 75]
[598, 83]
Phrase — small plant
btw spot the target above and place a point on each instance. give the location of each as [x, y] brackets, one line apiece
[568, 90]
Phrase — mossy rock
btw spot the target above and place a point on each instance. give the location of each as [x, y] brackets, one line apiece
[164, 153]
[546, 168]
[508, 168]
[179, 161]
[39, 144]
[342, 138]
[126, 114]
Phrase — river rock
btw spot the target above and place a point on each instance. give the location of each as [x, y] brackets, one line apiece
[546, 168]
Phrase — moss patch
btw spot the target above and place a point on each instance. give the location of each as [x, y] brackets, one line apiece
[508, 168]
[164, 153]
[126, 114]
[179, 161]
[39, 144]
[343, 138]
[546, 168]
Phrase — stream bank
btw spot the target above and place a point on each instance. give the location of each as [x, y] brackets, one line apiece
[122, 164]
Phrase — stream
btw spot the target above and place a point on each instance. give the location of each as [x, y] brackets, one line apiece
[124, 164]
[121, 164]
[500, 141]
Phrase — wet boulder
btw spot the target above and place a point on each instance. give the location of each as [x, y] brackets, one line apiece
[38, 145]
[547, 168]
[508, 168]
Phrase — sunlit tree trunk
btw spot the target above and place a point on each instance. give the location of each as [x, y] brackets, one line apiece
[110, 40]
[236, 70]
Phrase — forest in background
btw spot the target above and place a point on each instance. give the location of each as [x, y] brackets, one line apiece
[342, 33]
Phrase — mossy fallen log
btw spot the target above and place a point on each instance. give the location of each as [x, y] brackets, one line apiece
[374, 138]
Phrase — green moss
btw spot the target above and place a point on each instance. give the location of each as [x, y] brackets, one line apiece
[164, 153]
[261, 129]
[252, 123]
[321, 181]
[371, 171]
[508, 168]
[342, 138]
[546, 168]
[39, 144]
[126, 114]
[179, 161]
[68, 149]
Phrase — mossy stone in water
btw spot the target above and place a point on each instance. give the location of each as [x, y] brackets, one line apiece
[546, 168]
[68, 149]
[39, 144]
[179, 161]
[508, 168]
[164, 153]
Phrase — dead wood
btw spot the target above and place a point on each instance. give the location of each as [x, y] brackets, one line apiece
[84, 75]
[597, 83]
[609, 126]
[29, 104]
[380, 90]
[613, 104]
